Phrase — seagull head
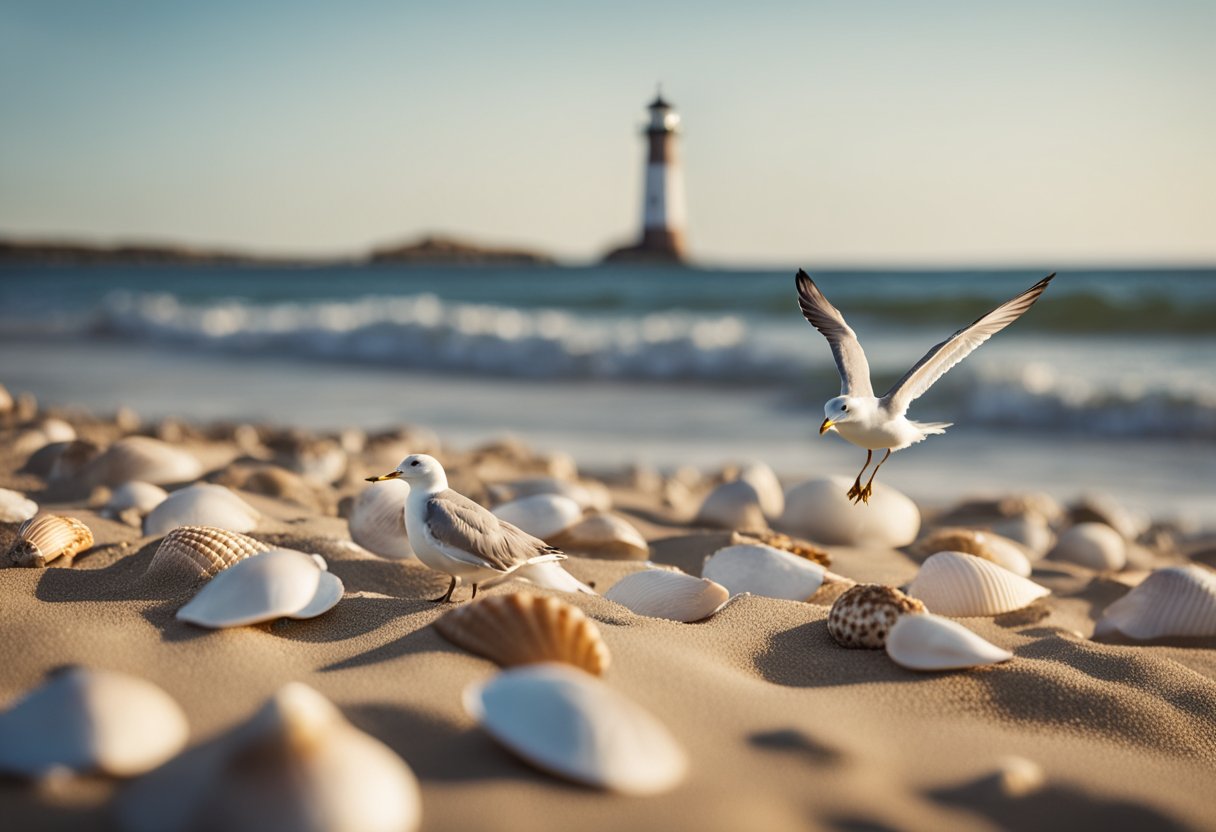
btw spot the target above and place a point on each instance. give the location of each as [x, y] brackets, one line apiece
[420, 471]
[839, 409]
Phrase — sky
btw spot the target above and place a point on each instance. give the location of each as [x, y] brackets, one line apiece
[814, 133]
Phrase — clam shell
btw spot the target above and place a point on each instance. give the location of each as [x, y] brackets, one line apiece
[522, 628]
[820, 510]
[189, 553]
[763, 570]
[46, 537]
[930, 642]
[604, 536]
[377, 520]
[661, 593]
[202, 504]
[1095, 545]
[281, 583]
[138, 495]
[989, 546]
[590, 496]
[572, 725]
[142, 458]
[1030, 530]
[1175, 601]
[732, 505]
[541, 515]
[15, 507]
[864, 614]
[768, 488]
[957, 584]
[91, 721]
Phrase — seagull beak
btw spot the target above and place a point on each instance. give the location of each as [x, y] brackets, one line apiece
[391, 475]
[826, 426]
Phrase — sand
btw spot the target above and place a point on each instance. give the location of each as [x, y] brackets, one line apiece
[783, 728]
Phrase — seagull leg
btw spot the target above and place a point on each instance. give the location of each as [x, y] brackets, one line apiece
[869, 489]
[446, 597]
[855, 491]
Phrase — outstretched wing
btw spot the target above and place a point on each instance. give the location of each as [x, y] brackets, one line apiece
[958, 346]
[846, 349]
[468, 532]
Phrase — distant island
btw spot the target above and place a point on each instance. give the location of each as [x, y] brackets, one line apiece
[437, 250]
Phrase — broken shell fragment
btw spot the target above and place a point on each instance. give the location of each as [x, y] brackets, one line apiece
[763, 570]
[603, 536]
[201, 504]
[953, 583]
[46, 537]
[189, 553]
[931, 642]
[864, 614]
[1175, 601]
[377, 520]
[662, 593]
[541, 515]
[281, 583]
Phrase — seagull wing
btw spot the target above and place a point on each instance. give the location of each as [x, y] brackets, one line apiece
[846, 349]
[466, 531]
[958, 346]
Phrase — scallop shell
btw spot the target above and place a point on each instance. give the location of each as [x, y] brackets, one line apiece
[142, 458]
[986, 545]
[930, 642]
[1095, 545]
[522, 628]
[541, 515]
[296, 765]
[137, 495]
[763, 570]
[189, 553]
[661, 593]
[281, 583]
[574, 726]
[604, 536]
[377, 520]
[44, 538]
[202, 504]
[821, 510]
[732, 505]
[91, 721]
[864, 614]
[15, 507]
[953, 583]
[1175, 601]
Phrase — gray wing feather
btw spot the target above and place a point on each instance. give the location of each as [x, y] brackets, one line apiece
[469, 532]
[846, 349]
[958, 346]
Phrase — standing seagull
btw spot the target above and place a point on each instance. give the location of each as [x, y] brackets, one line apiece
[873, 423]
[452, 534]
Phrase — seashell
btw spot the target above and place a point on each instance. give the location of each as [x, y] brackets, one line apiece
[732, 505]
[56, 430]
[319, 458]
[1029, 530]
[522, 628]
[590, 496]
[15, 507]
[201, 504]
[142, 458]
[604, 536]
[68, 460]
[953, 583]
[1095, 545]
[541, 515]
[864, 614]
[141, 496]
[189, 553]
[930, 642]
[777, 540]
[273, 481]
[280, 583]
[768, 488]
[296, 765]
[43, 538]
[763, 570]
[818, 509]
[661, 593]
[91, 721]
[1101, 508]
[986, 545]
[377, 520]
[1175, 601]
[574, 726]
[6, 400]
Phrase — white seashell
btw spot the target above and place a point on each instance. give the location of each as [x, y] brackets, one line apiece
[763, 570]
[661, 593]
[572, 725]
[768, 488]
[142, 458]
[1030, 530]
[377, 520]
[1000, 550]
[281, 583]
[15, 507]
[820, 510]
[929, 642]
[201, 504]
[189, 553]
[541, 515]
[732, 505]
[1095, 545]
[1175, 601]
[953, 583]
[296, 765]
[46, 537]
[137, 495]
[56, 430]
[590, 496]
[548, 574]
[603, 536]
[90, 721]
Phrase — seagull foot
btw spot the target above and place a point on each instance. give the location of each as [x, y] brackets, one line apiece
[865, 493]
[855, 491]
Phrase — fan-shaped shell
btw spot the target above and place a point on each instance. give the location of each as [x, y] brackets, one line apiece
[953, 583]
[1095, 545]
[603, 536]
[1176, 601]
[15, 507]
[986, 545]
[189, 553]
[91, 721]
[574, 726]
[281, 583]
[864, 614]
[763, 570]
[377, 520]
[202, 504]
[662, 593]
[732, 505]
[930, 642]
[522, 628]
[142, 458]
[137, 495]
[821, 510]
[46, 537]
[541, 515]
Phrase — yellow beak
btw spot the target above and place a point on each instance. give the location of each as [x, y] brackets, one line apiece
[391, 475]
[826, 426]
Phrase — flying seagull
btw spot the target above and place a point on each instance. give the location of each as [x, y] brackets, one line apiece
[876, 424]
[452, 534]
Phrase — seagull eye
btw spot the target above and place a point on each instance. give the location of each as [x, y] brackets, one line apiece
[414, 464]
[844, 408]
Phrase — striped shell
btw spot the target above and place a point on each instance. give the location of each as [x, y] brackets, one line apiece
[864, 614]
[522, 628]
[143, 458]
[992, 547]
[44, 538]
[377, 520]
[952, 583]
[662, 593]
[930, 642]
[1176, 601]
[189, 553]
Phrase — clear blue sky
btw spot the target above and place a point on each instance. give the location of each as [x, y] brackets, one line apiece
[815, 132]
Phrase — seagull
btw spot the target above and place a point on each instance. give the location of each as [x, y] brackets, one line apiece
[876, 424]
[452, 534]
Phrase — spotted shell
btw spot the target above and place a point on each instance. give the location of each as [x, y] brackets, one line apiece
[991, 547]
[522, 628]
[864, 614]
[46, 537]
[953, 583]
[189, 553]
